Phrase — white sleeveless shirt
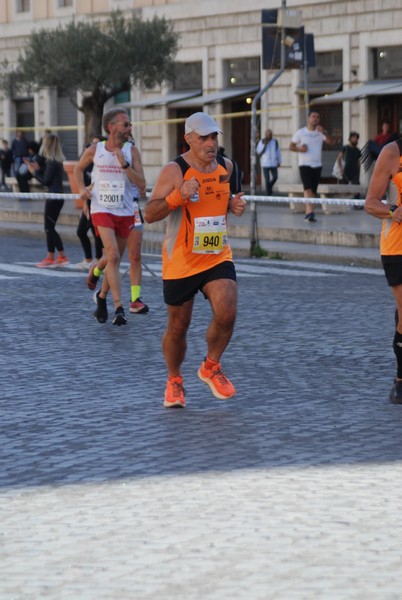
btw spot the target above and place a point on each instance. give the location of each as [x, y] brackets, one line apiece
[112, 191]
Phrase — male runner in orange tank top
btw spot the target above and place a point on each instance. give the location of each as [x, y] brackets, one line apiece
[193, 191]
[387, 179]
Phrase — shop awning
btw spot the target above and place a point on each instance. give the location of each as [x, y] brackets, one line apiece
[220, 96]
[161, 100]
[370, 88]
[319, 89]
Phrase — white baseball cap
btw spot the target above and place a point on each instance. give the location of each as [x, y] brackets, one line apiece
[201, 123]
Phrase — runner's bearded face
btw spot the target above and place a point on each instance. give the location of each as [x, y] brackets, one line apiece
[123, 130]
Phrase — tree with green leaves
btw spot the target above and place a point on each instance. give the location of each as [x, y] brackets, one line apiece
[98, 59]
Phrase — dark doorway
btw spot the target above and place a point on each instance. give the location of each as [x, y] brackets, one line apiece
[389, 108]
[240, 132]
[181, 144]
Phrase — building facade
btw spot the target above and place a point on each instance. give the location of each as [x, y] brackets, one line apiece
[220, 67]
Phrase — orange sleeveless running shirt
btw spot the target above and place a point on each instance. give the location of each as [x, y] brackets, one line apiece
[196, 234]
[391, 232]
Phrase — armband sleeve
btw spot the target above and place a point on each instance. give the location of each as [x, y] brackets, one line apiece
[174, 200]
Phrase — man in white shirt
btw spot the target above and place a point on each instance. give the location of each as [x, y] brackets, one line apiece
[269, 153]
[308, 142]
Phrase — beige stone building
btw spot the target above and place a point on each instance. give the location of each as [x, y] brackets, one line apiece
[220, 68]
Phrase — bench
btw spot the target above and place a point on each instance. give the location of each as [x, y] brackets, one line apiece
[12, 183]
[325, 190]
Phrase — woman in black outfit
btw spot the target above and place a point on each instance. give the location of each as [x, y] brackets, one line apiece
[51, 176]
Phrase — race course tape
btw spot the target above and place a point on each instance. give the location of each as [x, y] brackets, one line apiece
[260, 199]
[38, 196]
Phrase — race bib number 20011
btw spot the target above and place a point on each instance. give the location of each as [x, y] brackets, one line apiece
[210, 236]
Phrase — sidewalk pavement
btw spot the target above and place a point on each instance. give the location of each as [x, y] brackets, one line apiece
[349, 237]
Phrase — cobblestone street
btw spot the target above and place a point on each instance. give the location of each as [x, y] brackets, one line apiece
[289, 491]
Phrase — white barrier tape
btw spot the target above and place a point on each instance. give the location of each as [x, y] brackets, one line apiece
[260, 199]
[299, 200]
[38, 196]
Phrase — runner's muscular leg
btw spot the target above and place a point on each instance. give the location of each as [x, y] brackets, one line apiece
[397, 291]
[114, 248]
[222, 295]
[134, 255]
[174, 343]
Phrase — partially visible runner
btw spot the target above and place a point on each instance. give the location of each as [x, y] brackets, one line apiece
[193, 191]
[84, 224]
[387, 179]
[134, 243]
[117, 169]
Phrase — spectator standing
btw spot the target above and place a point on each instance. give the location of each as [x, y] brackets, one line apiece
[51, 176]
[349, 160]
[308, 142]
[384, 135]
[193, 191]
[6, 161]
[23, 175]
[373, 147]
[19, 149]
[269, 154]
[349, 163]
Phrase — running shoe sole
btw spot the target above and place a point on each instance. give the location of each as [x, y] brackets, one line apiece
[176, 404]
[139, 311]
[119, 319]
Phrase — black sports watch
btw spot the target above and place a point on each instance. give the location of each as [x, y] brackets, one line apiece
[126, 165]
[392, 209]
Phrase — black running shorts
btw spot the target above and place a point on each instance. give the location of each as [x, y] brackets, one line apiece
[393, 269]
[310, 177]
[178, 291]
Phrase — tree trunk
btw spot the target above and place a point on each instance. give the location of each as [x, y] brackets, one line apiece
[92, 107]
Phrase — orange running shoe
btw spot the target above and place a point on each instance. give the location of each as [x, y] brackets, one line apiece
[174, 393]
[45, 263]
[61, 261]
[220, 385]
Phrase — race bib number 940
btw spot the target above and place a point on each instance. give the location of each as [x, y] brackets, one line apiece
[210, 235]
[111, 194]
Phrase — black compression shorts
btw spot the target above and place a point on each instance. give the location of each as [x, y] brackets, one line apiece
[178, 291]
[393, 269]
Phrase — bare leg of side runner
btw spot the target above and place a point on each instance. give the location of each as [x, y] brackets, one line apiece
[174, 343]
[114, 248]
[222, 295]
[396, 390]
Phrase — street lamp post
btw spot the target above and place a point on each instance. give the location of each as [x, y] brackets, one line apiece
[253, 156]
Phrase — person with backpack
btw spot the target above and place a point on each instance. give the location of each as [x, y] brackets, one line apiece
[269, 153]
[348, 162]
